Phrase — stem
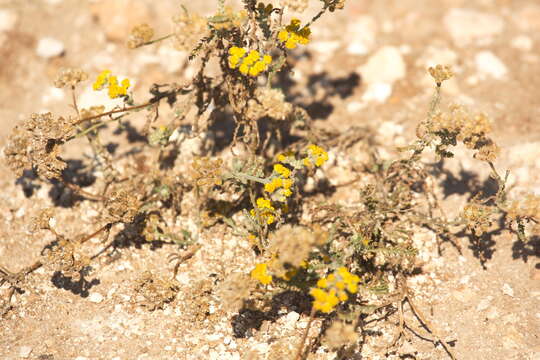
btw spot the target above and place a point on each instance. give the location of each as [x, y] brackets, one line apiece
[136, 107]
[304, 337]
[77, 189]
[156, 40]
[92, 128]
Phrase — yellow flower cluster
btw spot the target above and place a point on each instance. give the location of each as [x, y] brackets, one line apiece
[293, 35]
[266, 210]
[282, 180]
[252, 64]
[330, 290]
[115, 90]
[260, 273]
[316, 155]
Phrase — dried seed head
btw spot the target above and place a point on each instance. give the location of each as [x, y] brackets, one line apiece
[70, 78]
[269, 102]
[41, 220]
[206, 172]
[37, 143]
[234, 290]
[295, 5]
[63, 257]
[340, 334]
[292, 245]
[123, 206]
[528, 207]
[188, 30]
[154, 292]
[140, 35]
[441, 73]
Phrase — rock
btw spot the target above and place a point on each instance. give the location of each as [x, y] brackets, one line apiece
[118, 17]
[377, 92]
[492, 313]
[385, 66]
[489, 64]
[291, 320]
[484, 304]
[464, 295]
[49, 47]
[8, 20]
[95, 297]
[507, 290]
[522, 42]
[361, 35]
[468, 26]
[25, 351]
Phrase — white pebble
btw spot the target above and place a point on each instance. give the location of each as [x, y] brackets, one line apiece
[95, 297]
[489, 64]
[8, 19]
[377, 92]
[522, 42]
[507, 290]
[25, 351]
[49, 47]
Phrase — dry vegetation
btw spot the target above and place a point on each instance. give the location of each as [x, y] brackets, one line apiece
[265, 179]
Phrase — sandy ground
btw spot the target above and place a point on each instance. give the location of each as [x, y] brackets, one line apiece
[491, 313]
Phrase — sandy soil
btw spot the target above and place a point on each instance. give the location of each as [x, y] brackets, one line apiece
[487, 313]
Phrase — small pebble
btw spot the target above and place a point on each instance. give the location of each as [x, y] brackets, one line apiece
[49, 47]
[95, 297]
[507, 290]
[25, 351]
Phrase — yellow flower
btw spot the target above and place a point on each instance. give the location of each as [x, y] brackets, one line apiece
[316, 154]
[282, 170]
[293, 35]
[252, 64]
[330, 291]
[260, 273]
[287, 183]
[115, 90]
[263, 203]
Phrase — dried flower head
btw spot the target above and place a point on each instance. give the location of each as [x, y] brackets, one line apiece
[334, 4]
[526, 208]
[123, 205]
[70, 78]
[235, 289]
[140, 35]
[41, 220]
[291, 246]
[295, 5]
[36, 143]
[154, 292]
[340, 334]
[206, 172]
[269, 102]
[228, 19]
[478, 217]
[188, 30]
[92, 111]
[441, 73]
[62, 256]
